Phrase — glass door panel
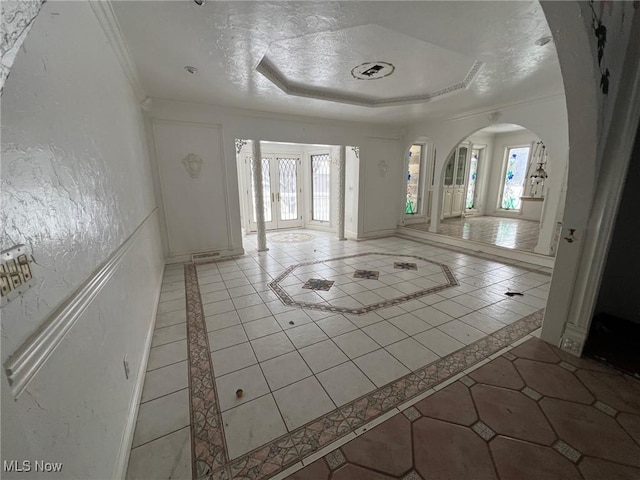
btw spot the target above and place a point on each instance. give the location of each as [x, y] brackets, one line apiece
[473, 176]
[462, 165]
[448, 172]
[288, 194]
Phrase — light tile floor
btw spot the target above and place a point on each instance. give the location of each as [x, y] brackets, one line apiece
[294, 364]
[514, 233]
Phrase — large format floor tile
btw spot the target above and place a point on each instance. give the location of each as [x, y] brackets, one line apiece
[287, 351]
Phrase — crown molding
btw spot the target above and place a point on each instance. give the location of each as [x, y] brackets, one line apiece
[266, 68]
[109, 22]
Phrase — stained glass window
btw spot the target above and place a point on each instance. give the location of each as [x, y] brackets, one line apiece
[473, 176]
[320, 174]
[414, 190]
[514, 178]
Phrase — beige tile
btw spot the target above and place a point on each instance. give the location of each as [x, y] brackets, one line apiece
[355, 343]
[253, 424]
[384, 333]
[345, 382]
[250, 380]
[302, 402]
[226, 337]
[167, 457]
[167, 354]
[305, 335]
[165, 380]
[323, 355]
[438, 342]
[272, 346]
[285, 370]
[381, 367]
[169, 334]
[411, 353]
[162, 416]
[233, 358]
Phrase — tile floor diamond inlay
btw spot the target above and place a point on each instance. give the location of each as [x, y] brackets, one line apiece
[318, 284]
[405, 266]
[287, 287]
[368, 274]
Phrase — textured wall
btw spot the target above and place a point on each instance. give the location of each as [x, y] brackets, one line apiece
[75, 185]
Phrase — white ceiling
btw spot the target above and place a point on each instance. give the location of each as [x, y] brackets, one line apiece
[314, 46]
[501, 128]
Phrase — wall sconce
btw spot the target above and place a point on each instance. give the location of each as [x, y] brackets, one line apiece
[193, 164]
[383, 167]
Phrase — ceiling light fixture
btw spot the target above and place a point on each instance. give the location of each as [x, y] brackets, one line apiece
[372, 70]
[541, 42]
[191, 69]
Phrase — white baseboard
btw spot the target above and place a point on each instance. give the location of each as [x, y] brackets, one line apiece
[378, 234]
[122, 463]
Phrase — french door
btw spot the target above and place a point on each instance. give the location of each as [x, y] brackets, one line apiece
[455, 183]
[281, 192]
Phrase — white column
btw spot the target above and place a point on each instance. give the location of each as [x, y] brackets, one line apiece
[257, 186]
[342, 169]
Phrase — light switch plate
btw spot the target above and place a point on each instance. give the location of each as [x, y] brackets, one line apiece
[16, 273]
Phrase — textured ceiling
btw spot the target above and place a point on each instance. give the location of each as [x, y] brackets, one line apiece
[314, 46]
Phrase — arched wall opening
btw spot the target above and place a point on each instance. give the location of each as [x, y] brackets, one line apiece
[532, 211]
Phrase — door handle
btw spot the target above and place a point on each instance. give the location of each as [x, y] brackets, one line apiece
[278, 195]
[272, 198]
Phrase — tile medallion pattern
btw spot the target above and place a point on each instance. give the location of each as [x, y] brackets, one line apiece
[209, 452]
[291, 237]
[318, 284]
[367, 274]
[287, 279]
[405, 266]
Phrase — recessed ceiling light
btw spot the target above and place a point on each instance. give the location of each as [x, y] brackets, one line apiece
[191, 69]
[541, 42]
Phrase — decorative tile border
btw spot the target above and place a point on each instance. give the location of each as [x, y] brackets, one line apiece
[207, 438]
[209, 453]
[288, 300]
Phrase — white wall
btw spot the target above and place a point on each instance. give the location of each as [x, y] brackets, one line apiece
[234, 124]
[75, 186]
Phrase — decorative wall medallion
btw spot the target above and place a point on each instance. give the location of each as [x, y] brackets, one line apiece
[193, 164]
[356, 151]
[318, 284]
[372, 70]
[367, 274]
[405, 266]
